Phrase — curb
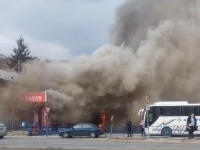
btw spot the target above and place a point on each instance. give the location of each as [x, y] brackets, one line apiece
[148, 141]
[161, 141]
[35, 137]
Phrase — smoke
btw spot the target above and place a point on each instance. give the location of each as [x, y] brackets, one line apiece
[159, 56]
[164, 37]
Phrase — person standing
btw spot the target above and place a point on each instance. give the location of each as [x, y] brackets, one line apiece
[191, 125]
[142, 128]
[129, 127]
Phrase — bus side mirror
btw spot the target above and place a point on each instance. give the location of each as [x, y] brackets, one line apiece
[140, 112]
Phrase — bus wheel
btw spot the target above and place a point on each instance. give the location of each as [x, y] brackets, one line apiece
[166, 131]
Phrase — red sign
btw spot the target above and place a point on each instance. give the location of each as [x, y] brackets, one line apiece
[147, 99]
[47, 108]
[39, 97]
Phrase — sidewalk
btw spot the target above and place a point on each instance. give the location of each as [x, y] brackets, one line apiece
[120, 138]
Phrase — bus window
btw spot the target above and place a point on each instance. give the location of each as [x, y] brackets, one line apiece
[171, 111]
[161, 111]
[150, 117]
[186, 110]
[156, 113]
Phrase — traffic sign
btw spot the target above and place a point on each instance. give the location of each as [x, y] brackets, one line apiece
[147, 99]
[47, 108]
[147, 110]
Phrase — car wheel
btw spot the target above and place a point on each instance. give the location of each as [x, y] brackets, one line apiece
[1, 137]
[166, 131]
[97, 136]
[65, 135]
[92, 135]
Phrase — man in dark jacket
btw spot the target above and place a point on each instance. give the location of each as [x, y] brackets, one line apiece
[129, 127]
[191, 124]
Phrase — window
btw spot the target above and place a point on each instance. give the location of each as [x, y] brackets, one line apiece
[156, 113]
[87, 126]
[78, 126]
[170, 111]
[150, 115]
[186, 110]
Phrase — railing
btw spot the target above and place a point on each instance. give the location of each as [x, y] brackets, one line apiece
[122, 129]
[52, 130]
[23, 127]
[15, 124]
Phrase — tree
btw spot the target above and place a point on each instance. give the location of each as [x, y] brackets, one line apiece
[21, 53]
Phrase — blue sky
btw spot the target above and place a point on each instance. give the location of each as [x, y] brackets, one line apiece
[56, 29]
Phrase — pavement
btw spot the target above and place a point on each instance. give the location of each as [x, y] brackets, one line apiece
[53, 142]
[121, 138]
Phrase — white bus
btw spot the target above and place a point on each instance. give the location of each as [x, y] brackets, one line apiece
[170, 118]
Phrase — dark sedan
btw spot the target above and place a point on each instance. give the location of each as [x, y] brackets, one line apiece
[82, 129]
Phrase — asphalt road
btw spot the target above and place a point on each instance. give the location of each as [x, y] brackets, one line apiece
[76, 143]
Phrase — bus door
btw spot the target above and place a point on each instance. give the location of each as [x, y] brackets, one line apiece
[154, 114]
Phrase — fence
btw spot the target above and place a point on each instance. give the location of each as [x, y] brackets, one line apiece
[15, 124]
[52, 130]
[23, 125]
[122, 129]
[173, 130]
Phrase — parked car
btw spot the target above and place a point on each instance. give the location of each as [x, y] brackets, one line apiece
[2, 130]
[82, 129]
[62, 129]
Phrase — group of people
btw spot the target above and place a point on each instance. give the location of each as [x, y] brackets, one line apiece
[129, 128]
[190, 127]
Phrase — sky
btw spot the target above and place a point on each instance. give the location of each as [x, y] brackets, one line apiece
[56, 29]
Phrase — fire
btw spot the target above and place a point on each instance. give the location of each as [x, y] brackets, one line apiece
[103, 119]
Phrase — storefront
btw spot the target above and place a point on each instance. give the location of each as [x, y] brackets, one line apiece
[38, 117]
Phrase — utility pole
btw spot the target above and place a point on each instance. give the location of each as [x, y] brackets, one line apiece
[147, 110]
[111, 129]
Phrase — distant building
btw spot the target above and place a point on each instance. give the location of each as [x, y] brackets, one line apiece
[32, 59]
[4, 62]
[2, 56]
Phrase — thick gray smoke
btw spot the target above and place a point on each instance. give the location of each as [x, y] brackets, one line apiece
[164, 37]
[160, 57]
